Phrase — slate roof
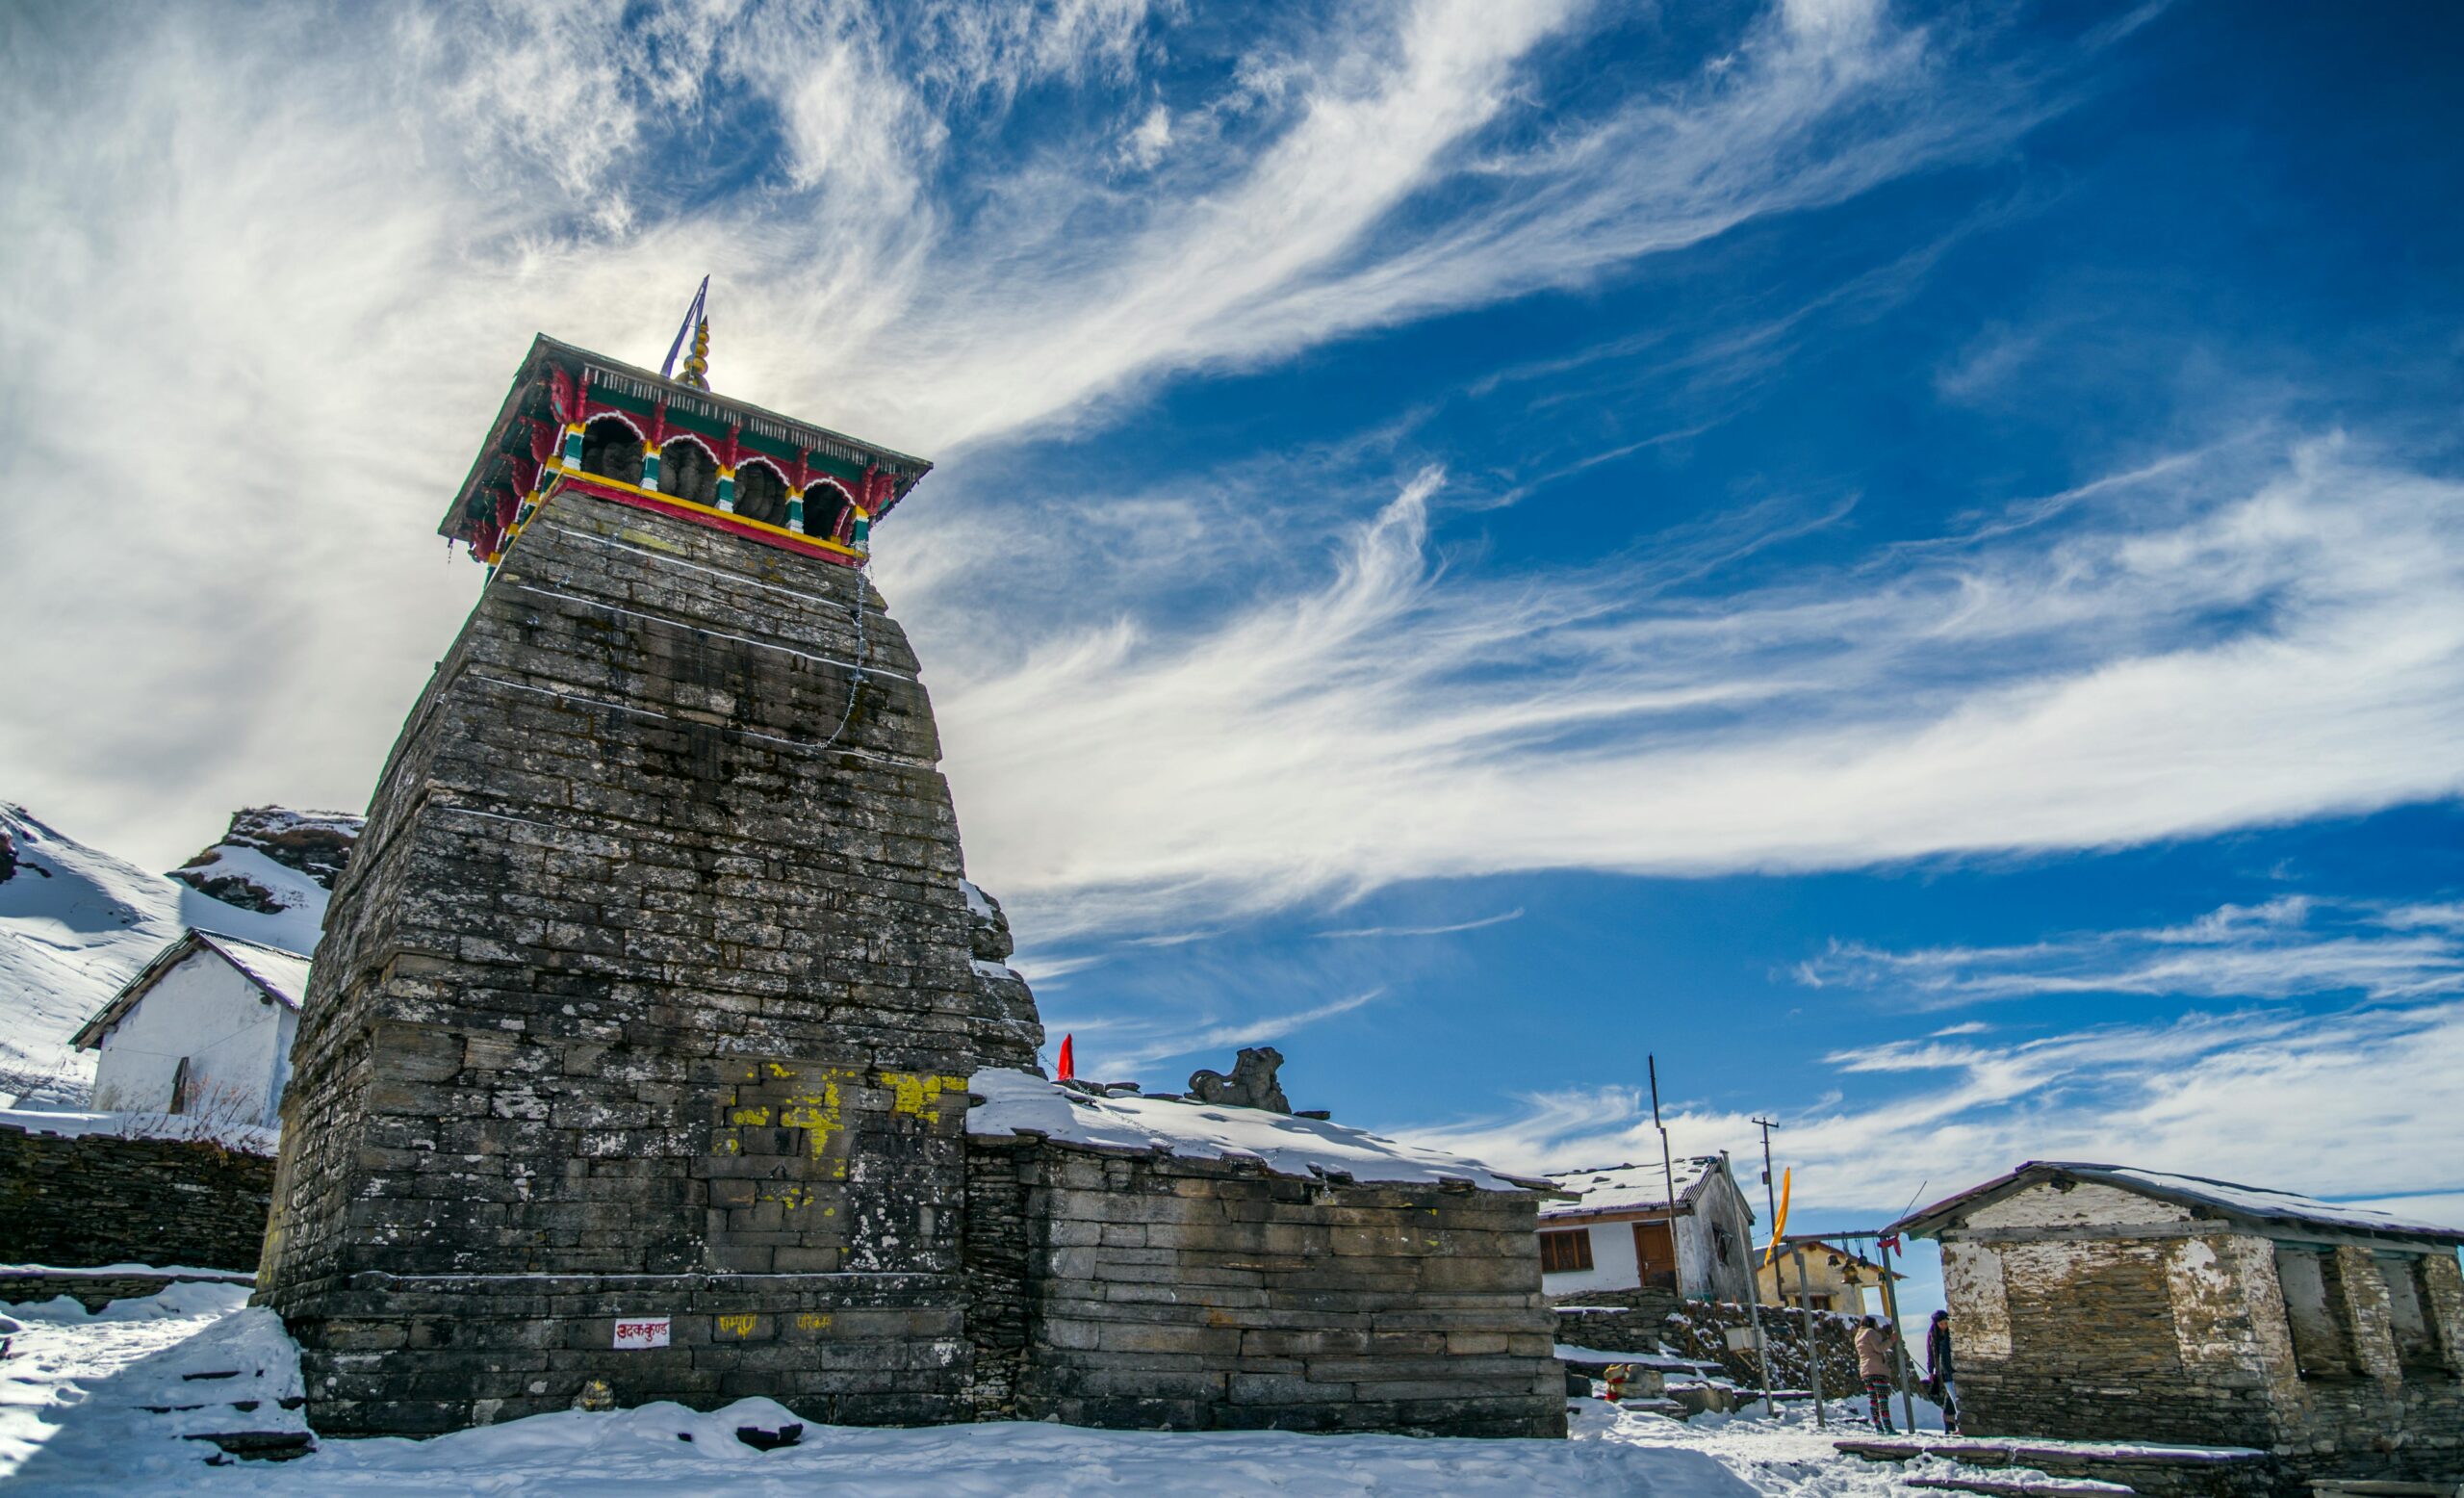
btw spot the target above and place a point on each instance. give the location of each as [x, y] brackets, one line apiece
[2223, 1200]
[281, 976]
[1631, 1188]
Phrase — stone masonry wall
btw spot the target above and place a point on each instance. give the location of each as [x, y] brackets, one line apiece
[1650, 1321]
[99, 1198]
[643, 996]
[1180, 1294]
[2094, 1353]
[2184, 1339]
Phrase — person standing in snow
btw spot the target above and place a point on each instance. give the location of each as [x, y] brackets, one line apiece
[1939, 1378]
[1873, 1365]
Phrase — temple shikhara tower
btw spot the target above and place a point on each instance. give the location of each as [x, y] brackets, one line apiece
[657, 1048]
[650, 993]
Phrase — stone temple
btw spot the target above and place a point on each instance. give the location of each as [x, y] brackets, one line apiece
[637, 1059]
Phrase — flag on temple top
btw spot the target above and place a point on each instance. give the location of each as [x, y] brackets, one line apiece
[693, 318]
[1068, 1067]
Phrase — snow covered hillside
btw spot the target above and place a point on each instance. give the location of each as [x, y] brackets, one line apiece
[76, 923]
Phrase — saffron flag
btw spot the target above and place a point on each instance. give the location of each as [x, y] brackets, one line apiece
[1782, 1226]
[1068, 1067]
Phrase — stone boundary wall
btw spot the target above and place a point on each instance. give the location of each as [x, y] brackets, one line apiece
[1646, 1321]
[101, 1199]
[1191, 1294]
[96, 1291]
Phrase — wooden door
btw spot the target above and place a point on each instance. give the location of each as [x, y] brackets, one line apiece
[1656, 1254]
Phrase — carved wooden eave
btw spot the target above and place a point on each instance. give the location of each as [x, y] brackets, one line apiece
[634, 392]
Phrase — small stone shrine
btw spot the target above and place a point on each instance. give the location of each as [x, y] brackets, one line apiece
[1195, 1263]
[637, 1054]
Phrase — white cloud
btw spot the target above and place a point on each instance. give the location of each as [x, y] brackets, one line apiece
[2361, 1103]
[269, 266]
[1132, 1046]
[2286, 948]
[2210, 644]
[1364, 932]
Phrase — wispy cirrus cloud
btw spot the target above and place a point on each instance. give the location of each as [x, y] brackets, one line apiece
[331, 231]
[2247, 635]
[1360, 933]
[2282, 948]
[1130, 1045]
[2345, 1104]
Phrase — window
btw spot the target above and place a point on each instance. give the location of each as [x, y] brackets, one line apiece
[1820, 1303]
[2314, 1310]
[180, 1088]
[825, 509]
[688, 471]
[760, 494]
[2417, 1347]
[612, 449]
[1722, 1244]
[1565, 1252]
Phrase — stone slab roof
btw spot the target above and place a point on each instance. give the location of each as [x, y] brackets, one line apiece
[2251, 1206]
[1630, 1188]
[282, 976]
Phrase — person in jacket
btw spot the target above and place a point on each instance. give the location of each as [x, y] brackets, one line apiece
[1940, 1381]
[1873, 1365]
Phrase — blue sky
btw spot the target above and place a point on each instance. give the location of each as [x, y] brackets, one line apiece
[1905, 561]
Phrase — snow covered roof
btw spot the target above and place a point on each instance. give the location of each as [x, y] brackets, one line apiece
[1021, 1103]
[76, 924]
[281, 976]
[1631, 1188]
[2214, 1199]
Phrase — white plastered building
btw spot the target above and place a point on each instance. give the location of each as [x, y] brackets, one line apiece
[205, 1028]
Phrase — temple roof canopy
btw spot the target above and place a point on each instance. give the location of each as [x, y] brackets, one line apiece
[558, 383]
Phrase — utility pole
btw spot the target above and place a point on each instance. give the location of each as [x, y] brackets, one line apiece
[1667, 1168]
[1898, 1335]
[1779, 1282]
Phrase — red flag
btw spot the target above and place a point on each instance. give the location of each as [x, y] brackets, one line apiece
[1068, 1067]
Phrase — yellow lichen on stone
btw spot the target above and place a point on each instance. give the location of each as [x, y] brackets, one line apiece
[918, 1094]
[821, 1115]
[756, 1117]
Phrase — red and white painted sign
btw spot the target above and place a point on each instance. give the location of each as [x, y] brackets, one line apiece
[641, 1332]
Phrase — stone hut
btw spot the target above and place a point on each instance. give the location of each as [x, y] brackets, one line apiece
[1171, 1262]
[2104, 1303]
[1617, 1233]
[636, 1056]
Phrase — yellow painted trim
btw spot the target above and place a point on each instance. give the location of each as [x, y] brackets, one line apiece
[824, 542]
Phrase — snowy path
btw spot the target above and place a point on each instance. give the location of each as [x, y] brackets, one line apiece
[77, 1397]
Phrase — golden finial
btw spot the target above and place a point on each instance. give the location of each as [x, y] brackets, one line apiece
[697, 366]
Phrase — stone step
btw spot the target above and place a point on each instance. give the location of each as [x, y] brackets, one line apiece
[2024, 1487]
[257, 1445]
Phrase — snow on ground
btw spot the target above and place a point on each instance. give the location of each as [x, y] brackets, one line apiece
[79, 1396]
[247, 1138]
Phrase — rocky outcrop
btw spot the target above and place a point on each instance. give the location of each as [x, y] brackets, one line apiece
[316, 844]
